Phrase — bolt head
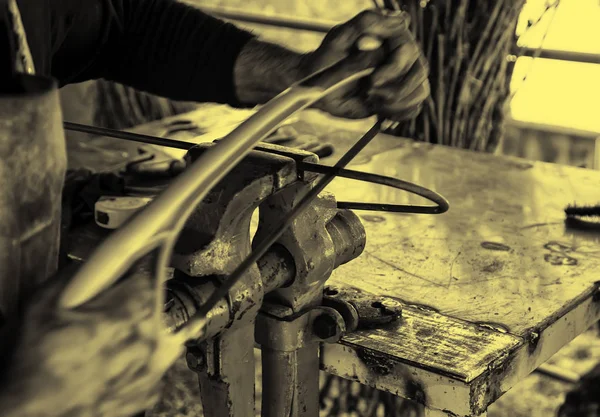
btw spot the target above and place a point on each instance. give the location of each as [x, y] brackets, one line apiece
[195, 360]
[392, 305]
[325, 326]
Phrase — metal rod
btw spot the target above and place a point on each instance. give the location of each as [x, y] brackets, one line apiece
[324, 26]
[441, 204]
[581, 57]
[135, 137]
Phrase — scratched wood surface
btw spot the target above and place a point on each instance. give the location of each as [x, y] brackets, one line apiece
[501, 255]
[478, 282]
[500, 259]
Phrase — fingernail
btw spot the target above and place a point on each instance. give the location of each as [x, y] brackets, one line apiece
[368, 43]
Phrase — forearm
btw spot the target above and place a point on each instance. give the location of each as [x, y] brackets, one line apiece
[263, 70]
[169, 49]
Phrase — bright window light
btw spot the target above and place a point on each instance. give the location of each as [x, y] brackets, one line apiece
[560, 93]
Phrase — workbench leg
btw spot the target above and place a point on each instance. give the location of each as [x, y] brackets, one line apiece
[227, 386]
[291, 382]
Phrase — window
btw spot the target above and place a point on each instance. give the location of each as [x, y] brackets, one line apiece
[555, 92]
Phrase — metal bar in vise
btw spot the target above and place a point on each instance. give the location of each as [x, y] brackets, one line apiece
[134, 137]
[441, 206]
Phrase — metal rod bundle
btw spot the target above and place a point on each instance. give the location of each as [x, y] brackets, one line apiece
[467, 43]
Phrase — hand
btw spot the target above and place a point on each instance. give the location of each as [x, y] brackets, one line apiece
[399, 85]
[104, 358]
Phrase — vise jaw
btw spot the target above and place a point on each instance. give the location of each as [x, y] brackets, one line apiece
[283, 290]
[217, 236]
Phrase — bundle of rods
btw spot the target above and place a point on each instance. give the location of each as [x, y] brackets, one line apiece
[468, 44]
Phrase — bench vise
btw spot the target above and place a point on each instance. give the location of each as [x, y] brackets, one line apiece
[279, 302]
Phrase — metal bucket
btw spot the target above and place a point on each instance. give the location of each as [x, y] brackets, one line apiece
[33, 162]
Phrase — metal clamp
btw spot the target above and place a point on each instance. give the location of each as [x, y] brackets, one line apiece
[291, 274]
[360, 310]
[317, 325]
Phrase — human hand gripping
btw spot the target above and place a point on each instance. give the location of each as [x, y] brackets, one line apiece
[398, 86]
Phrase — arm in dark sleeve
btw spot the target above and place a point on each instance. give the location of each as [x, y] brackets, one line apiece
[159, 46]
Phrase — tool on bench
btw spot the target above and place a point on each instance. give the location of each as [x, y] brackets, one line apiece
[585, 218]
[113, 212]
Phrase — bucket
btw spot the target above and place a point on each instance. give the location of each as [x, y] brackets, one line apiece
[33, 162]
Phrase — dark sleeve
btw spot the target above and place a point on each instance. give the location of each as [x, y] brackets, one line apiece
[162, 47]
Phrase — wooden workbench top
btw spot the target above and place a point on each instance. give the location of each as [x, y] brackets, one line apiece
[491, 289]
[501, 255]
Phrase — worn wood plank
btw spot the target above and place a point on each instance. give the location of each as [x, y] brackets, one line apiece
[501, 255]
[433, 341]
[426, 357]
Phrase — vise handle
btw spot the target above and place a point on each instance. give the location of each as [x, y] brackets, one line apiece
[361, 311]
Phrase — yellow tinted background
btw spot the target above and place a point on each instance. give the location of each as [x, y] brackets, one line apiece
[558, 92]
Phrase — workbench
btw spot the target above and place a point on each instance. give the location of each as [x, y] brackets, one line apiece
[490, 290]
